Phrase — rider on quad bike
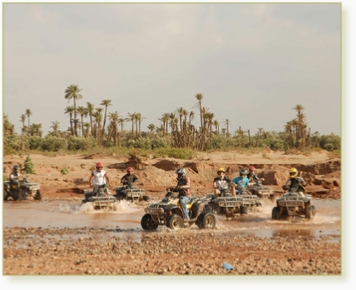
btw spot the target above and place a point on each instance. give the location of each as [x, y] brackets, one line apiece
[98, 179]
[241, 183]
[295, 183]
[183, 188]
[128, 181]
[251, 175]
[221, 184]
[15, 180]
[129, 178]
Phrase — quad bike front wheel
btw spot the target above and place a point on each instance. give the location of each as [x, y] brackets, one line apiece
[206, 221]
[147, 223]
[175, 222]
[38, 195]
[275, 213]
[310, 212]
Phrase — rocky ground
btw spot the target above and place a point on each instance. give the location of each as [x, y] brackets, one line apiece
[39, 251]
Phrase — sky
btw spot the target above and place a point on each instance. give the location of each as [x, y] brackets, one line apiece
[253, 63]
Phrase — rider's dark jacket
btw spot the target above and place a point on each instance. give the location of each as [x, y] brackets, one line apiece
[252, 177]
[183, 182]
[129, 179]
[296, 183]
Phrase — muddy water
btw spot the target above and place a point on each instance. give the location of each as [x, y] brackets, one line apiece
[124, 219]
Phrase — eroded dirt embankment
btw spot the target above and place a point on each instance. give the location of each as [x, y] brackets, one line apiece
[155, 175]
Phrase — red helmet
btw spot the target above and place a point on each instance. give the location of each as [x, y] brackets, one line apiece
[252, 168]
[129, 169]
[99, 164]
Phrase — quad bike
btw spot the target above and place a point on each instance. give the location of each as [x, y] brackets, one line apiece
[233, 206]
[261, 191]
[25, 190]
[168, 212]
[130, 192]
[102, 199]
[292, 204]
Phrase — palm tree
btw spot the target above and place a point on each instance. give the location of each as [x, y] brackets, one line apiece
[165, 120]
[114, 117]
[28, 113]
[7, 126]
[138, 121]
[216, 125]
[23, 120]
[98, 117]
[227, 122]
[70, 110]
[131, 118]
[105, 103]
[90, 108]
[198, 105]
[151, 127]
[121, 122]
[35, 130]
[301, 125]
[83, 111]
[240, 135]
[73, 92]
[55, 127]
[180, 112]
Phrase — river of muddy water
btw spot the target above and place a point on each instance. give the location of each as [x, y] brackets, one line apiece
[124, 219]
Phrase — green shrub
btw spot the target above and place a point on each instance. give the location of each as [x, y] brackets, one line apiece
[28, 166]
[52, 143]
[81, 143]
[179, 153]
[35, 142]
[329, 147]
[64, 171]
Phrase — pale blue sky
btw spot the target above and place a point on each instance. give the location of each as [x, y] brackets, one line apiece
[252, 62]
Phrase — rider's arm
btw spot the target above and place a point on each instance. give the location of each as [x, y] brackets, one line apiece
[14, 177]
[215, 185]
[135, 178]
[107, 180]
[91, 179]
[123, 179]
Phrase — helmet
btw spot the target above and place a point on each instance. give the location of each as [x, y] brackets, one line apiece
[243, 171]
[221, 170]
[252, 168]
[129, 169]
[181, 171]
[293, 172]
[16, 167]
[99, 164]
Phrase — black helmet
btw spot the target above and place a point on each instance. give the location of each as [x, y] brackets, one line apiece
[16, 167]
[243, 171]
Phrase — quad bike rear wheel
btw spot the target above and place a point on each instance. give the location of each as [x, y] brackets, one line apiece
[6, 195]
[147, 223]
[38, 195]
[206, 221]
[275, 213]
[175, 222]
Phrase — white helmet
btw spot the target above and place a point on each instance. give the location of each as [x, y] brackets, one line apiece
[181, 171]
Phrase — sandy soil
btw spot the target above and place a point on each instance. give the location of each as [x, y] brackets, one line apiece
[181, 253]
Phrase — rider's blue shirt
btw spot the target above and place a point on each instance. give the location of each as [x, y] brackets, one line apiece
[242, 182]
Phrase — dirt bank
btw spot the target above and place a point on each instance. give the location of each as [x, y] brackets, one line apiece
[320, 172]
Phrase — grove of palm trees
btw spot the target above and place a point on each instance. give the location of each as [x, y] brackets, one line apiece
[90, 126]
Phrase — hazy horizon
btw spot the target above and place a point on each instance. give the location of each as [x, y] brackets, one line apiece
[252, 62]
